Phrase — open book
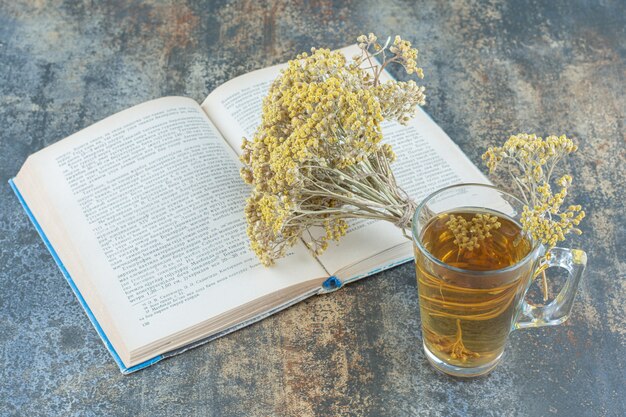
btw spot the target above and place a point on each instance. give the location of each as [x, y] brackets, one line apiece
[143, 212]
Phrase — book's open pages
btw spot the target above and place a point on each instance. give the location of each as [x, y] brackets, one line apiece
[143, 211]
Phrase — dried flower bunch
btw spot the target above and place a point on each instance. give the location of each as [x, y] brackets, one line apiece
[531, 161]
[317, 157]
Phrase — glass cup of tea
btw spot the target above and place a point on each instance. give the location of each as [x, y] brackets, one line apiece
[474, 265]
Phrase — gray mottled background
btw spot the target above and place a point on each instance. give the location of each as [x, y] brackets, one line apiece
[492, 68]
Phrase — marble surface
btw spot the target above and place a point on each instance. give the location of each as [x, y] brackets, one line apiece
[492, 68]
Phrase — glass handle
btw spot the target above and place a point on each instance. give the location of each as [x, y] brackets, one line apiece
[574, 261]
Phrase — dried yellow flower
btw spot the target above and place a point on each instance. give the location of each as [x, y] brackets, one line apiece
[531, 161]
[317, 157]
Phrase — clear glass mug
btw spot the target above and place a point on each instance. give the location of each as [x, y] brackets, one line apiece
[467, 314]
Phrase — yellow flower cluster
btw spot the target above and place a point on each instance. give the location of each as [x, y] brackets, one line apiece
[402, 50]
[545, 221]
[531, 161]
[406, 54]
[400, 99]
[532, 153]
[319, 138]
[468, 234]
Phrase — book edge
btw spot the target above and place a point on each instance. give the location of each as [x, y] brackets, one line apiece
[236, 327]
[123, 368]
[378, 269]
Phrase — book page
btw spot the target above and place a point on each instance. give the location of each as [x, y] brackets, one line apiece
[235, 106]
[427, 159]
[145, 209]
